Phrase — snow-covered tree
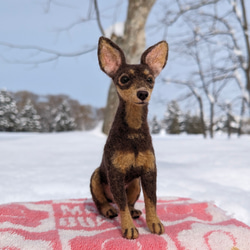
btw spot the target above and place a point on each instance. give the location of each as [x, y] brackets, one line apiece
[8, 112]
[246, 126]
[29, 119]
[63, 120]
[155, 126]
[172, 117]
[228, 122]
[193, 124]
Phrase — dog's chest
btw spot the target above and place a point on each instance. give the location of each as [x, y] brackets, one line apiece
[125, 160]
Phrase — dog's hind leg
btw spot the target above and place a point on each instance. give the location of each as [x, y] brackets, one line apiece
[133, 192]
[99, 197]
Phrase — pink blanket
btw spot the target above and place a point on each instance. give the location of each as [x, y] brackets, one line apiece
[75, 224]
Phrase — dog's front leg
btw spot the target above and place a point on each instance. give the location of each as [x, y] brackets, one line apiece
[117, 187]
[148, 180]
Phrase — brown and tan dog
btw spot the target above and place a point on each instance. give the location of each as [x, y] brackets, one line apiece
[128, 157]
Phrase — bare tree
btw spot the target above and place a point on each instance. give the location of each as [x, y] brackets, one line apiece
[205, 79]
[244, 62]
[133, 44]
[217, 40]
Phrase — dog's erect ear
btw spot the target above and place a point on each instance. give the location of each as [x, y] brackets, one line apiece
[156, 57]
[110, 56]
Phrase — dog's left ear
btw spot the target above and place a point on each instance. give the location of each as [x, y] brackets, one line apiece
[156, 57]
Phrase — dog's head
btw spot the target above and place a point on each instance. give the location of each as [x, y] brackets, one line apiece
[134, 83]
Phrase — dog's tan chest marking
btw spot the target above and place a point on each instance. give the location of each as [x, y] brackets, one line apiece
[136, 136]
[124, 160]
[134, 116]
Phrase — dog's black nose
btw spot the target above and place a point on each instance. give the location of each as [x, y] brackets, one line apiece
[142, 95]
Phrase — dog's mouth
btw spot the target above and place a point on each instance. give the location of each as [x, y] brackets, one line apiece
[141, 103]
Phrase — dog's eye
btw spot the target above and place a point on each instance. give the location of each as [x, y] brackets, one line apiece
[150, 80]
[124, 79]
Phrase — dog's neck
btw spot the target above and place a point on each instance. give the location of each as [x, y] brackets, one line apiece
[135, 116]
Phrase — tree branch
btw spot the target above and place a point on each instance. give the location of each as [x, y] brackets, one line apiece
[72, 25]
[98, 17]
[53, 54]
[185, 8]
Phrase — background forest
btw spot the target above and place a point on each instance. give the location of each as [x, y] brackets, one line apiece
[27, 112]
[205, 87]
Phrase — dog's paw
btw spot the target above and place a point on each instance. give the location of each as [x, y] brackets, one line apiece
[135, 213]
[156, 227]
[130, 233]
[109, 212]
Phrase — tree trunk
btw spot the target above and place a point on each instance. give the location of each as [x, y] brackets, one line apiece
[247, 69]
[246, 36]
[199, 99]
[133, 45]
[242, 112]
[202, 117]
[229, 119]
[211, 120]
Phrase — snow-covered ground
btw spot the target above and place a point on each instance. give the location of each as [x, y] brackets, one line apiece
[57, 166]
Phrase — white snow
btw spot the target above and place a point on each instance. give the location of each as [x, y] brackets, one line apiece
[59, 165]
[244, 92]
[210, 98]
[237, 52]
[117, 29]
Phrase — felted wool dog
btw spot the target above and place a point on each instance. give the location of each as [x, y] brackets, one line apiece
[128, 157]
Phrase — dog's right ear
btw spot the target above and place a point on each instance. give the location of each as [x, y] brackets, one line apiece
[110, 56]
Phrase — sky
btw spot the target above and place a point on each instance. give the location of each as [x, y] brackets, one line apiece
[38, 23]
[34, 22]
[28, 23]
